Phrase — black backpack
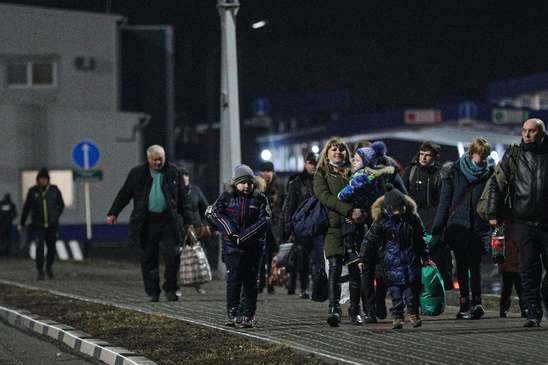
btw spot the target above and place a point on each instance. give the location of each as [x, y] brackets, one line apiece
[310, 219]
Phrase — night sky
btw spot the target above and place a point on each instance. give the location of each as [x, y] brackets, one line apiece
[388, 54]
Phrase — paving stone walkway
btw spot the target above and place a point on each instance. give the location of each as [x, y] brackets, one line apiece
[301, 323]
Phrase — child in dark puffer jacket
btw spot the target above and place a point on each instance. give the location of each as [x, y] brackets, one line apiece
[397, 237]
[242, 215]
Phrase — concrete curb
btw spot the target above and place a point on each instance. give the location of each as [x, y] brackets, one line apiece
[77, 340]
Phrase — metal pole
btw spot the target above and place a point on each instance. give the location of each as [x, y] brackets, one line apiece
[230, 109]
[87, 197]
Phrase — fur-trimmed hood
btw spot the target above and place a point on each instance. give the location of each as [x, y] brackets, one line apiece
[258, 182]
[376, 208]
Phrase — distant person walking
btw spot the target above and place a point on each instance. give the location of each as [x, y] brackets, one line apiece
[156, 224]
[8, 212]
[45, 205]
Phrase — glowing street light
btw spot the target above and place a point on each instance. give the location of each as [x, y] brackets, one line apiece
[258, 25]
[266, 155]
[315, 148]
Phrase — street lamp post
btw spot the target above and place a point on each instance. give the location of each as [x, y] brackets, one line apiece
[230, 110]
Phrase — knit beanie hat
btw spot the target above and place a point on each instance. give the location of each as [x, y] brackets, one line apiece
[43, 173]
[372, 153]
[266, 166]
[242, 173]
[393, 198]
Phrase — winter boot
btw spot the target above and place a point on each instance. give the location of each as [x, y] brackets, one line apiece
[233, 317]
[41, 275]
[248, 321]
[415, 320]
[49, 272]
[397, 324]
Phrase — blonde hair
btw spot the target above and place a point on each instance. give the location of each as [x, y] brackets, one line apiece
[323, 163]
[481, 147]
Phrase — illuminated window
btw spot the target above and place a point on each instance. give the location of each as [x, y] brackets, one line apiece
[62, 178]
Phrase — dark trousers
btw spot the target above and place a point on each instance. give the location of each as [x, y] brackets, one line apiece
[241, 274]
[468, 260]
[5, 240]
[47, 237]
[266, 262]
[373, 296]
[404, 296]
[335, 269]
[510, 280]
[533, 254]
[159, 238]
[309, 249]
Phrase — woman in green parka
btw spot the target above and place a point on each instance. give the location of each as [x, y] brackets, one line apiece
[332, 176]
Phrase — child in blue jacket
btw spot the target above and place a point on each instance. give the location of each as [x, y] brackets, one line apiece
[242, 215]
[396, 237]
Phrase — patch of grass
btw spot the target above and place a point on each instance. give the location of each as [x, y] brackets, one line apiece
[164, 340]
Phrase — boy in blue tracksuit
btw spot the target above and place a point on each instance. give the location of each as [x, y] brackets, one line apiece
[242, 215]
[397, 237]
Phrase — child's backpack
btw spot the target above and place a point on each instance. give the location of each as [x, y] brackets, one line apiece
[310, 219]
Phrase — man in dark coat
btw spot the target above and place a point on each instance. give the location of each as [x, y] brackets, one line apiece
[156, 224]
[45, 204]
[423, 181]
[527, 185]
[275, 194]
[300, 188]
[7, 215]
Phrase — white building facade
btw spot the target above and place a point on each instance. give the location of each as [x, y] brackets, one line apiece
[59, 85]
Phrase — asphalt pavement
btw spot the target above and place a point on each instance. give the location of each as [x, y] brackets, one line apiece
[299, 323]
[21, 348]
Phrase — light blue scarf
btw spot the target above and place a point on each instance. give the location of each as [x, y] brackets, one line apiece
[474, 172]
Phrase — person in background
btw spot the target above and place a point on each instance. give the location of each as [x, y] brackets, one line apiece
[466, 233]
[300, 188]
[275, 194]
[509, 269]
[423, 181]
[44, 203]
[528, 188]
[242, 215]
[8, 212]
[158, 218]
[196, 205]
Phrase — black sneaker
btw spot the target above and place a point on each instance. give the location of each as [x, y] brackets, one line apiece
[304, 295]
[41, 276]
[355, 317]
[369, 318]
[503, 314]
[248, 322]
[334, 318]
[171, 296]
[49, 273]
[477, 312]
[154, 298]
[270, 289]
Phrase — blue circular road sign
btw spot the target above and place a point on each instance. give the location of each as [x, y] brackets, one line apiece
[85, 155]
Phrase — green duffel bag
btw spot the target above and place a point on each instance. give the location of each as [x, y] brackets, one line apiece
[432, 298]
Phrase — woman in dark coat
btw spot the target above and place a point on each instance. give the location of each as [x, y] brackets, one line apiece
[331, 177]
[467, 234]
